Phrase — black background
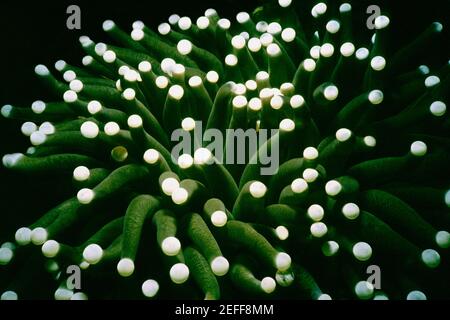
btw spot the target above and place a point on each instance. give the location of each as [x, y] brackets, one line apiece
[35, 32]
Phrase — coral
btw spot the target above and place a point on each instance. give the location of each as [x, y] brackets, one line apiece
[363, 147]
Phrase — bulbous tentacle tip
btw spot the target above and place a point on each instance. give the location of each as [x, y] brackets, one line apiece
[150, 288]
[10, 160]
[93, 253]
[220, 266]
[431, 258]
[50, 248]
[38, 236]
[268, 285]
[41, 70]
[79, 296]
[63, 294]
[23, 236]
[6, 110]
[171, 246]
[179, 273]
[362, 251]
[324, 296]
[364, 290]
[125, 267]
[416, 295]
[85, 195]
[283, 261]
[9, 295]
[6, 255]
[330, 248]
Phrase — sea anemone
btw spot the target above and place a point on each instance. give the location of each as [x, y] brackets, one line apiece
[362, 145]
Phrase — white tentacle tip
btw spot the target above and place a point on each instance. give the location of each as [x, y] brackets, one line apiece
[418, 148]
[151, 156]
[284, 3]
[343, 134]
[219, 218]
[176, 92]
[23, 236]
[108, 25]
[203, 156]
[431, 258]
[315, 212]
[180, 196]
[416, 295]
[85, 195]
[438, 108]
[333, 188]
[362, 251]
[431, 81]
[169, 185]
[93, 253]
[438, 27]
[282, 232]
[39, 236]
[50, 248]
[10, 160]
[37, 138]
[330, 248]
[318, 229]
[257, 189]
[220, 266]
[171, 246]
[89, 130]
[6, 110]
[38, 106]
[299, 185]
[350, 211]
[134, 121]
[79, 296]
[184, 47]
[111, 128]
[443, 239]
[63, 294]
[331, 93]
[380, 296]
[381, 22]
[9, 295]
[345, 7]
[179, 273]
[81, 173]
[376, 96]
[137, 34]
[6, 255]
[283, 261]
[268, 285]
[378, 63]
[310, 153]
[324, 296]
[310, 175]
[125, 267]
[364, 290]
[150, 288]
[41, 70]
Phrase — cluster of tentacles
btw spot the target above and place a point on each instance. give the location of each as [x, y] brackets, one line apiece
[363, 143]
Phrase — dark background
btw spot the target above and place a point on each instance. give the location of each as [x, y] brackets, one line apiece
[35, 32]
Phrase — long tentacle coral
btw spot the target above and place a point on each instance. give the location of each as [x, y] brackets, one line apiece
[363, 149]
